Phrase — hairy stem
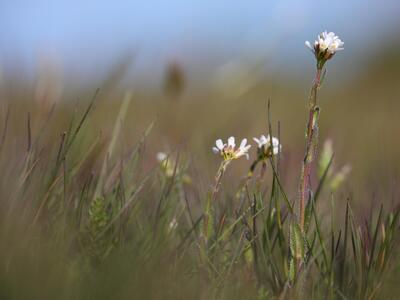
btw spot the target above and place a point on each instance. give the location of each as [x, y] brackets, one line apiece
[311, 142]
[218, 178]
[208, 214]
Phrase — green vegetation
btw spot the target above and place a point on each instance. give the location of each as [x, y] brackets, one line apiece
[88, 212]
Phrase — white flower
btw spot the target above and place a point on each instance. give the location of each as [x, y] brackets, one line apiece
[166, 164]
[264, 144]
[161, 156]
[228, 151]
[326, 45]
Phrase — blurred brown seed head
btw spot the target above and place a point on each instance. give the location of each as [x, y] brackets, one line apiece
[174, 80]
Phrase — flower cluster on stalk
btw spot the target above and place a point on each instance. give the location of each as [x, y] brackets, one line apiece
[228, 151]
[266, 147]
[325, 46]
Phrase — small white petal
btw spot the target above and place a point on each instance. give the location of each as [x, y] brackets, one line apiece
[246, 148]
[308, 44]
[220, 144]
[259, 142]
[242, 151]
[231, 142]
[215, 150]
[243, 143]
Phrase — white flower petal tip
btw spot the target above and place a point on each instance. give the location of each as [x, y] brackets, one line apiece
[243, 143]
[308, 44]
[220, 145]
[326, 45]
[231, 142]
[228, 151]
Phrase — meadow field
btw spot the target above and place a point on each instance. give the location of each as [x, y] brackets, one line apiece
[110, 191]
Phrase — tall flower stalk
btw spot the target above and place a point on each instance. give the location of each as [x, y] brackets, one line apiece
[324, 48]
[311, 143]
[228, 152]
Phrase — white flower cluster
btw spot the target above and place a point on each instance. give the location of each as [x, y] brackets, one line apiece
[268, 145]
[326, 45]
[228, 151]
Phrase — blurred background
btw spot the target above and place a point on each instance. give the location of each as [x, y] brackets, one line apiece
[206, 69]
[201, 70]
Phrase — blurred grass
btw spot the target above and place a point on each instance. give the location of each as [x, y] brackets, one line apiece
[63, 256]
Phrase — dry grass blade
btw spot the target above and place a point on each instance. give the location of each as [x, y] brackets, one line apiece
[116, 131]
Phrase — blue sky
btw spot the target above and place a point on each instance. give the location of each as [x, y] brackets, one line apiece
[87, 35]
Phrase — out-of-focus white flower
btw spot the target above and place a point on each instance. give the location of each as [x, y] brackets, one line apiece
[170, 168]
[228, 151]
[161, 156]
[266, 147]
[166, 164]
[326, 45]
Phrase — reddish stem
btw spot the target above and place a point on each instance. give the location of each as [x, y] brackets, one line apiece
[306, 167]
